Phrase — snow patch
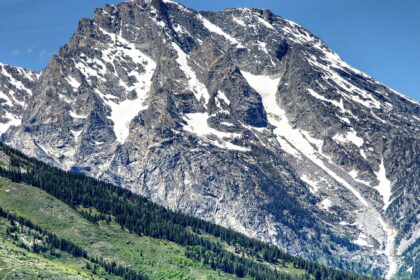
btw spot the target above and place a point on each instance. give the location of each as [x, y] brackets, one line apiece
[194, 84]
[123, 112]
[405, 97]
[75, 84]
[89, 69]
[363, 154]
[197, 123]
[349, 136]
[219, 105]
[5, 97]
[180, 6]
[12, 121]
[222, 95]
[265, 23]
[154, 17]
[362, 240]
[370, 220]
[326, 204]
[384, 186]
[355, 175]
[338, 104]
[76, 134]
[181, 30]
[75, 115]
[389, 251]
[347, 89]
[239, 21]
[288, 148]
[16, 83]
[227, 124]
[217, 30]
[266, 86]
[311, 183]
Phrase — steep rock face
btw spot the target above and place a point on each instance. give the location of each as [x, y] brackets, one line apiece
[15, 89]
[239, 117]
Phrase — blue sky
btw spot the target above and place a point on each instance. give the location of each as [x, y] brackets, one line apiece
[380, 37]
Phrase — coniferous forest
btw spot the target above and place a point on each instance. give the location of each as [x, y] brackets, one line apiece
[138, 215]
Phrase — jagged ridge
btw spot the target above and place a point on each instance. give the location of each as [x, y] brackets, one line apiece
[15, 89]
[239, 117]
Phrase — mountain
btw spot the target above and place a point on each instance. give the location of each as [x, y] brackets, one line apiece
[60, 225]
[241, 118]
[15, 89]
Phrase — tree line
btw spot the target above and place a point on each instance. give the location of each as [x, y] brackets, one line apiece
[141, 216]
[53, 241]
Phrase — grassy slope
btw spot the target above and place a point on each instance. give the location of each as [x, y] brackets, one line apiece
[159, 258]
[18, 263]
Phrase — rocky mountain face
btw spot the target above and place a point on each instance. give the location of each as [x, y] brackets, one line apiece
[15, 89]
[240, 117]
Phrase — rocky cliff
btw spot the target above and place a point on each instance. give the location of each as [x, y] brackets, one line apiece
[15, 89]
[242, 118]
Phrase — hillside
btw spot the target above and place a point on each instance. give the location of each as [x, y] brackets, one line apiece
[48, 207]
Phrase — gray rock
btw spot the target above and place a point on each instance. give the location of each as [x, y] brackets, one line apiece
[15, 89]
[238, 117]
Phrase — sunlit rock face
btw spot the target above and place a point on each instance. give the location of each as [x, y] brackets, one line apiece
[15, 89]
[239, 117]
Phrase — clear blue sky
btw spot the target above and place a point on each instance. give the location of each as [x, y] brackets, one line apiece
[380, 37]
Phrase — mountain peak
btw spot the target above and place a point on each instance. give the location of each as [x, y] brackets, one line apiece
[211, 112]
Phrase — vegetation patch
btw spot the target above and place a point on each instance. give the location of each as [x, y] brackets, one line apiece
[113, 226]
